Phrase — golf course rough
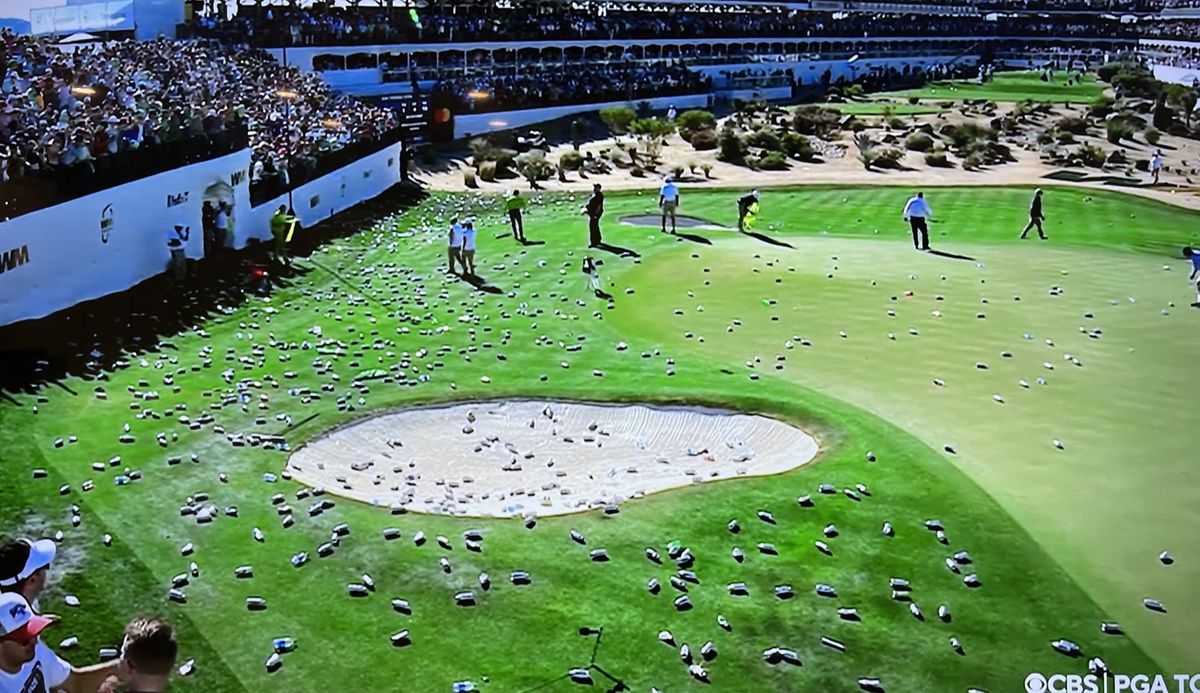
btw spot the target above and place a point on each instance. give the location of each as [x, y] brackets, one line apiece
[1058, 539]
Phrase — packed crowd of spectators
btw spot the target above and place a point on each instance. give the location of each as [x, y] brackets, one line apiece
[1173, 29]
[84, 108]
[323, 26]
[561, 87]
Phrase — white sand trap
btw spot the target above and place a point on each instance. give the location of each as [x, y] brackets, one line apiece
[499, 459]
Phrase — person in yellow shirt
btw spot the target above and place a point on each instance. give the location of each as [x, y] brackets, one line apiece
[282, 225]
[513, 205]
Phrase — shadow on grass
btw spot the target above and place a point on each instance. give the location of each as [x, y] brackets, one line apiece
[94, 336]
[480, 283]
[693, 238]
[616, 250]
[771, 241]
[952, 256]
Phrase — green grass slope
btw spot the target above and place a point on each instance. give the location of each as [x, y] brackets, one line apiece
[380, 295]
[1010, 86]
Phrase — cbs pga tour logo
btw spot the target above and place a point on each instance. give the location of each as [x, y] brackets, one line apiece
[1112, 683]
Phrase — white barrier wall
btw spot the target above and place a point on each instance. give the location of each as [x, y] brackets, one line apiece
[108, 241]
[478, 124]
[324, 197]
[1179, 75]
[111, 240]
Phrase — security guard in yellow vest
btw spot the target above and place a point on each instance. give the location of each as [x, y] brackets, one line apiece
[281, 226]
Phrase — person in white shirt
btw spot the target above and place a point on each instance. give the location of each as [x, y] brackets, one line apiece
[468, 246]
[222, 226]
[1156, 165]
[916, 212]
[671, 113]
[454, 244]
[668, 202]
[27, 665]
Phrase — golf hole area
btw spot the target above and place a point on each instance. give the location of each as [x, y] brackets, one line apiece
[542, 458]
[681, 221]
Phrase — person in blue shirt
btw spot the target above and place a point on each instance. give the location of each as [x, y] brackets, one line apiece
[1191, 254]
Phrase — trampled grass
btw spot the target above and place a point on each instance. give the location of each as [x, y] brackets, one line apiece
[861, 393]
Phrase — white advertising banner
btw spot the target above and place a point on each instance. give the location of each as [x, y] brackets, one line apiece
[111, 240]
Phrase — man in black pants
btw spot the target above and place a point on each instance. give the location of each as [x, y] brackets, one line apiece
[916, 211]
[1036, 217]
[594, 209]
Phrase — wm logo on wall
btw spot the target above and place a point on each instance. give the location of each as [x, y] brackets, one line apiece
[14, 259]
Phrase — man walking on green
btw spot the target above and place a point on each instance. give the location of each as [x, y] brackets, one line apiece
[1036, 216]
[594, 209]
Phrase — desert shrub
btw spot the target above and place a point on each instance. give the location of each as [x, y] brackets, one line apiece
[1064, 138]
[1142, 164]
[695, 120]
[773, 161]
[1136, 81]
[896, 123]
[704, 139]
[919, 142]
[1107, 71]
[751, 161]
[765, 138]
[692, 166]
[1153, 136]
[868, 152]
[857, 126]
[732, 145]
[889, 157]
[973, 161]
[677, 171]
[1118, 129]
[618, 118]
[1102, 106]
[637, 172]
[814, 120]
[1046, 136]
[1091, 155]
[481, 150]
[469, 178]
[578, 127]
[487, 171]
[914, 100]
[707, 168]
[853, 91]
[1072, 124]
[571, 160]
[652, 127]
[937, 158]
[966, 133]
[644, 108]
[795, 145]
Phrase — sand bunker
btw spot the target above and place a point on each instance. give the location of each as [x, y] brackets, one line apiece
[499, 459]
[682, 221]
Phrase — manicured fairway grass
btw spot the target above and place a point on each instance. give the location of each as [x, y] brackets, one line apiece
[878, 108]
[519, 637]
[1010, 86]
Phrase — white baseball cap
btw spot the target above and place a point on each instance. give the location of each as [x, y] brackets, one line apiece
[18, 622]
[23, 557]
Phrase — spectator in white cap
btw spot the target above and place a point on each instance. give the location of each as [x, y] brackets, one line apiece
[23, 567]
[28, 666]
[468, 247]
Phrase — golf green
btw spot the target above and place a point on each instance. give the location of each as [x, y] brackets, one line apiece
[1010, 86]
[1060, 539]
